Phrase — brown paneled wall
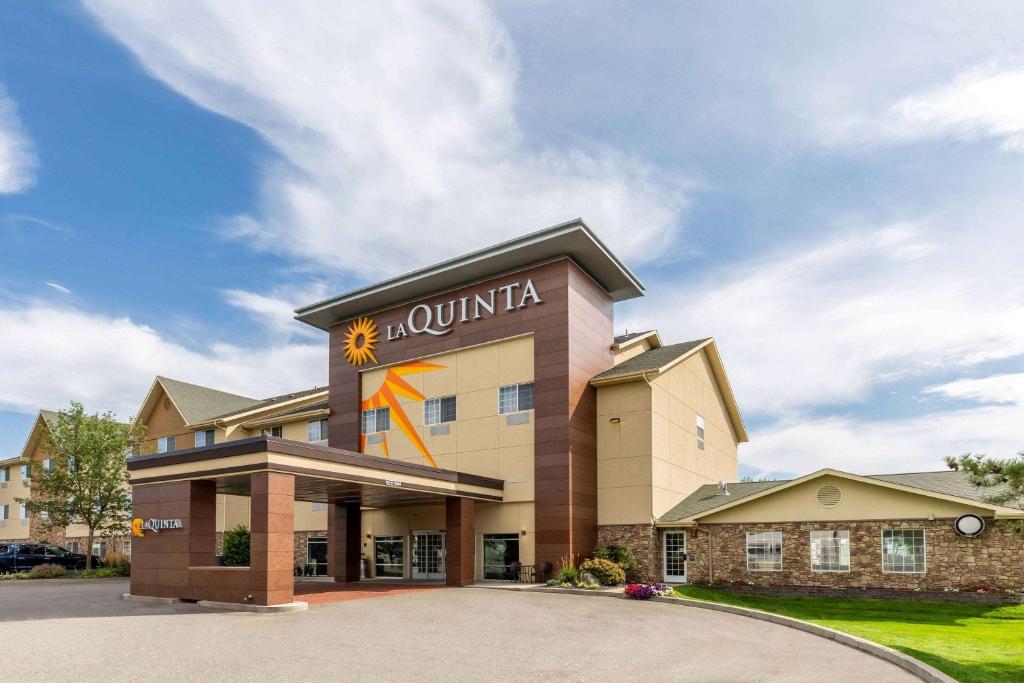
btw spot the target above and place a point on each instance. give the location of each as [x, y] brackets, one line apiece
[178, 563]
[572, 331]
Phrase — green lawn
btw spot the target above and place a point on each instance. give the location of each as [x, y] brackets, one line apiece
[968, 642]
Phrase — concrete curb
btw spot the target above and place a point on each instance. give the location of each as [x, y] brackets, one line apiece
[151, 599]
[230, 606]
[913, 666]
[296, 606]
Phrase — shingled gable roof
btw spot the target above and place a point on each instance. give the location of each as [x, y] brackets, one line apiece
[625, 339]
[43, 416]
[946, 484]
[657, 360]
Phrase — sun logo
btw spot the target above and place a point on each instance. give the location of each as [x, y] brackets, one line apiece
[360, 340]
[137, 527]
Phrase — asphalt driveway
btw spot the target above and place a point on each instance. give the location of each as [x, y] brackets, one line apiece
[61, 629]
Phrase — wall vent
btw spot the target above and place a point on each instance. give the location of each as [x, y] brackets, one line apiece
[829, 496]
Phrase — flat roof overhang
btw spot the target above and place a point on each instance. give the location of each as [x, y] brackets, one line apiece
[322, 474]
[572, 239]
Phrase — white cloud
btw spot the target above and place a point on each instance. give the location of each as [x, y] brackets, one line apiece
[275, 310]
[832, 322]
[109, 363]
[17, 155]
[1005, 388]
[57, 286]
[979, 103]
[397, 130]
[877, 446]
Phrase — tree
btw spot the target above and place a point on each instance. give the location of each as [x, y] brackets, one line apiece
[86, 481]
[1004, 477]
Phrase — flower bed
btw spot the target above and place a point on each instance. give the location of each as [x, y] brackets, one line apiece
[646, 591]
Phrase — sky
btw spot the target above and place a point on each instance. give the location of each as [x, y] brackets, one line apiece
[831, 190]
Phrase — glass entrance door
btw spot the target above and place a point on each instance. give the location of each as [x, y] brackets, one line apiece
[428, 554]
[316, 556]
[675, 556]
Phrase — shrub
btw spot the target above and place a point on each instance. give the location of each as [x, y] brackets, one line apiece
[622, 556]
[119, 564]
[606, 572]
[568, 573]
[236, 547]
[47, 571]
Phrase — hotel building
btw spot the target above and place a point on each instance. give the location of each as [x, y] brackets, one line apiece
[483, 421]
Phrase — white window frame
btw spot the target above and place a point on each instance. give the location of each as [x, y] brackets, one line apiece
[924, 554]
[316, 428]
[5, 512]
[781, 549]
[166, 444]
[72, 547]
[23, 511]
[371, 420]
[846, 538]
[126, 547]
[507, 407]
[48, 464]
[209, 437]
[700, 432]
[5, 475]
[26, 472]
[433, 410]
[98, 546]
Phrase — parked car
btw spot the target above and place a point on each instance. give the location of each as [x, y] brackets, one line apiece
[21, 557]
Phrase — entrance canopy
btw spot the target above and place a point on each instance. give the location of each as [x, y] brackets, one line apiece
[322, 474]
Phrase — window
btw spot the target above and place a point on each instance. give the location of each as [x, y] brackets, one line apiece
[165, 444]
[903, 551]
[389, 556]
[99, 549]
[515, 398]
[73, 547]
[48, 464]
[273, 431]
[700, 432]
[316, 556]
[126, 548]
[204, 438]
[764, 551]
[5, 475]
[26, 472]
[438, 410]
[830, 551]
[5, 512]
[318, 507]
[316, 430]
[376, 420]
[23, 510]
[501, 551]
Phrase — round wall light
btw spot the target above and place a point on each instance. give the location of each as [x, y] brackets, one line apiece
[969, 525]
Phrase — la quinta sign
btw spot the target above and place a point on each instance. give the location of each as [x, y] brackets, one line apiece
[441, 318]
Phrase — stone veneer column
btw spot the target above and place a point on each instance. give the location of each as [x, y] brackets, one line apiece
[344, 527]
[459, 526]
[273, 529]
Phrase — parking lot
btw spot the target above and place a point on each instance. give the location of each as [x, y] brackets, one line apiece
[81, 627]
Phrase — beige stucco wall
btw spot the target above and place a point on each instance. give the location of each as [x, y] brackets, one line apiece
[649, 460]
[680, 394]
[630, 350]
[860, 501]
[14, 528]
[479, 441]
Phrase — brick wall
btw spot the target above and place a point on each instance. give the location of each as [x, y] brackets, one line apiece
[643, 539]
[996, 558]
